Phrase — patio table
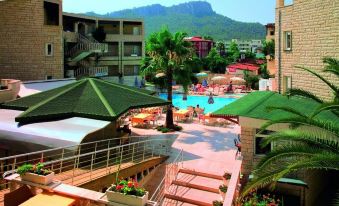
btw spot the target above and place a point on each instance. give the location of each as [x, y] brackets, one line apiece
[182, 113]
[141, 118]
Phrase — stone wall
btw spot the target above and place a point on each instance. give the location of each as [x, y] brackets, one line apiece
[315, 33]
[23, 37]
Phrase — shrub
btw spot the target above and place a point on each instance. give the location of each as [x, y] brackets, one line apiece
[165, 130]
[217, 203]
[35, 169]
[227, 176]
[223, 188]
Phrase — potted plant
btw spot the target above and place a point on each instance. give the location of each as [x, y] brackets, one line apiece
[226, 178]
[222, 191]
[35, 173]
[128, 193]
[217, 203]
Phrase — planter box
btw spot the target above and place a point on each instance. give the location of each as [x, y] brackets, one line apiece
[226, 181]
[223, 195]
[39, 179]
[126, 199]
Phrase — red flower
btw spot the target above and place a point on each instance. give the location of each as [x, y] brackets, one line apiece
[119, 187]
[130, 184]
[135, 184]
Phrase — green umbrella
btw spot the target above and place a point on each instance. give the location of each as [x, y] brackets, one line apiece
[88, 98]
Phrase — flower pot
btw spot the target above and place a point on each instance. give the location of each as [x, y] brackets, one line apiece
[223, 195]
[225, 181]
[126, 199]
[39, 179]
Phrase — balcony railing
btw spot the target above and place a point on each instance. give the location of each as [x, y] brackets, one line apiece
[79, 164]
[91, 72]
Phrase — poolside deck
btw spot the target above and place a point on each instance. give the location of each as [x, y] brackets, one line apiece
[208, 150]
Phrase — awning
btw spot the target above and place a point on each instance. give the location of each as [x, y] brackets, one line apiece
[255, 104]
[86, 98]
[243, 66]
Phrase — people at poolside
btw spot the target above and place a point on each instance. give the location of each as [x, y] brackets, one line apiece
[210, 99]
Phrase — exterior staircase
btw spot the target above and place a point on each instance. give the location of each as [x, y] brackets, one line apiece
[84, 48]
[193, 188]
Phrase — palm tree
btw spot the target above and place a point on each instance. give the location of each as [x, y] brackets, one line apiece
[313, 143]
[168, 53]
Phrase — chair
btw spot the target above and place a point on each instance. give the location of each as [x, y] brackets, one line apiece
[17, 196]
[238, 146]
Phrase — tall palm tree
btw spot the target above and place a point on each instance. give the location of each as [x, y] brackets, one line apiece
[313, 143]
[168, 53]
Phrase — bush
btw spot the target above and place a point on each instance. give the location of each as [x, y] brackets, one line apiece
[227, 176]
[217, 203]
[165, 130]
[35, 169]
[129, 188]
[223, 188]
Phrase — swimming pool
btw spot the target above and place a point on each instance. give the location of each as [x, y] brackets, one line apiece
[219, 102]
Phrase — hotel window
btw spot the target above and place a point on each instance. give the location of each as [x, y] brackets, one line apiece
[259, 150]
[287, 83]
[288, 40]
[49, 49]
[51, 13]
[288, 2]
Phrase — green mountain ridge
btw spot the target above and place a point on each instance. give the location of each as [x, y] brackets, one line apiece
[197, 18]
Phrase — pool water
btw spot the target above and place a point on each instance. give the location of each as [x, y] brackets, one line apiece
[219, 102]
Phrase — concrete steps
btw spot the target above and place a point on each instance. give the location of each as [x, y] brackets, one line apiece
[193, 188]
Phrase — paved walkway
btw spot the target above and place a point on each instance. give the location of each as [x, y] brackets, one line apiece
[206, 149]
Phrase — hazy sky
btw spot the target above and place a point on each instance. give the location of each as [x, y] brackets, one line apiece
[242, 10]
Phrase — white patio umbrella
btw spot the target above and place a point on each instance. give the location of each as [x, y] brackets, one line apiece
[238, 80]
[160, 75]
[201, 74]
[219, 79]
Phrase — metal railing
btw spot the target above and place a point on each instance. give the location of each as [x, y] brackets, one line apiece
[86, 44]
[78, 164]
[91, 71]
[164, 187]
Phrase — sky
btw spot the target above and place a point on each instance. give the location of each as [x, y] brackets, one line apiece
[261, 11]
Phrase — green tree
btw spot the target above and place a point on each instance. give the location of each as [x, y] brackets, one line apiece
[313, 143]
[233, 52]
[264, 73]
[208, 38]
[220, 46]
[216, 63]
[269, 48]
[252, 81]
[168, 54]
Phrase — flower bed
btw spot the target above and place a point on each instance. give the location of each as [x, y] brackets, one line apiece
[127, 192]
[163, 129]
[256, 199]
[35, 173]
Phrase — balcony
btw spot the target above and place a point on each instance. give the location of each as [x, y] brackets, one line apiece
[132, 28]
[110, 27]
[133, 49]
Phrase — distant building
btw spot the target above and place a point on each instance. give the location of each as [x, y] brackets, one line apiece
[49, 44]
[202, 46]
[270, 32]
[245, 45]
[270, 36]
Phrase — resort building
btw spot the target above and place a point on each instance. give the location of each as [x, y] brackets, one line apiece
[201, 46]
[245, 45]
[270, 36]
[120, 51]
[306, 31]
[55, 45]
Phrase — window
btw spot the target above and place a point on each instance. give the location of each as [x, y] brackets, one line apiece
[51, 13]
[271, 33]
[287, 83]
[288, 40]
[49, 49]
[258, 139]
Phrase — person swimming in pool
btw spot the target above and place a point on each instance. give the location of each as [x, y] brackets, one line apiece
[210, 99]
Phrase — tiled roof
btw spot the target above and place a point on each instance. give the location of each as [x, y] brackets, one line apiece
[88, 98]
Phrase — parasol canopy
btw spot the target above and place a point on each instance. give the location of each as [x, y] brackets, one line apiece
[160, 75]
[238, 80]
[88, 98]
[201, 74]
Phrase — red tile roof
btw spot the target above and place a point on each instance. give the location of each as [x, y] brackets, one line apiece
[197, 39]
[244, 66]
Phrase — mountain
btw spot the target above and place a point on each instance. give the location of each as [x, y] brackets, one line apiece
[197, 18]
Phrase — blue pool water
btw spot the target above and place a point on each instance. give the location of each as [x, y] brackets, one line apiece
[219, 102]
